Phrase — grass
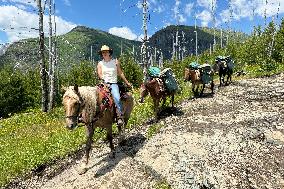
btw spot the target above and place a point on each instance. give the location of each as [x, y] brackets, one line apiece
[162, 185]
[33, 138]
[153, 129]
[30, 139]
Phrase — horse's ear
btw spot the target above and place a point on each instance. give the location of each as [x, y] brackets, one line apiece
[76, 88]
[63, 89]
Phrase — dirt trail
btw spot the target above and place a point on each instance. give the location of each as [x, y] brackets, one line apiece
[231, 140]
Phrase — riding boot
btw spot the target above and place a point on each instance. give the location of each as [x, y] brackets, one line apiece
[120, 120]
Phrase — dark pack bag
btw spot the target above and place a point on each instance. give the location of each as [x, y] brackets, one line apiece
[231, 64]
[169, 80]
[154, 71]
[206, 75]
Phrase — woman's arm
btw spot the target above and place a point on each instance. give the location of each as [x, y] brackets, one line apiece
[121, 74]
[99, 70]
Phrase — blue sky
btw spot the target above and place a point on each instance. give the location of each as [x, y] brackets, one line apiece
[124, 17]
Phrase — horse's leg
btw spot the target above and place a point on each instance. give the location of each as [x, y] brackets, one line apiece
[197, 89]
[228, 76]
[231, 73]
[203, 86]
[220, 79]
[156, 107]
[109, 137]
[89, 134]
[212, 87]
[193, 89]
[172, 100]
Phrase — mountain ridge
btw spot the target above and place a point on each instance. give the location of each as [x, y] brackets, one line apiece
[82, 43]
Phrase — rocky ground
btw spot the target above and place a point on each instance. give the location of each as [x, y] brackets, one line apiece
[233, 139]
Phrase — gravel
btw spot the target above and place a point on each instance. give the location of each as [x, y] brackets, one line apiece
[233, 139]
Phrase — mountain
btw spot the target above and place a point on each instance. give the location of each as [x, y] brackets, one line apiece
[3, 49]
[76, 45]
[182, 35]
[73, 47]
[185, 37]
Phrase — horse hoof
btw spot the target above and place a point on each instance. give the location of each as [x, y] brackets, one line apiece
[112, 155]
[82, 170]
[121, 139]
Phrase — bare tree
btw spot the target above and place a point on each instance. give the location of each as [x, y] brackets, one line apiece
[144, 47]
[52, 60]
[43, 75]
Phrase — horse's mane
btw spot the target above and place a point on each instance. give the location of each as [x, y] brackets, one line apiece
[88, 95]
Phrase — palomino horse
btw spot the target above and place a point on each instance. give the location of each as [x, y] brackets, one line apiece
[157, 92]
[88, 104]
[195, 77]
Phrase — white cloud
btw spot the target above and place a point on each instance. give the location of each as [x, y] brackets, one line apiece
[225, 16]
[248, 9]
[205, 17]
[18, 24]
[67, 2]
[178, 16]
[152, 5]
[207, 4]
[188, 9]
[140, 37]
[124, 32]
[271, 7]
[23, 2]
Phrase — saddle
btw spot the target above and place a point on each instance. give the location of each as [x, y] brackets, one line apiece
[107, 101]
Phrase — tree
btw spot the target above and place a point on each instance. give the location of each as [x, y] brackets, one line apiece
[279, 44]
[43, 75]
[133, 72]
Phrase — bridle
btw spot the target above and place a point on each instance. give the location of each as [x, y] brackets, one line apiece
[76, 115]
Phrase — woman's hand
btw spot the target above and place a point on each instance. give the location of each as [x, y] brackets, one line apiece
[129, 85]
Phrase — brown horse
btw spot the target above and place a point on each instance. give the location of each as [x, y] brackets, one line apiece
[157, 91]
[87, 105]
[195, 77]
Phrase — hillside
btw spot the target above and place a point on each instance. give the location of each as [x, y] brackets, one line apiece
[73, 47]
[164, 38]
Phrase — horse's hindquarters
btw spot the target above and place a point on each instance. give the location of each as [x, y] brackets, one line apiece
[127, 104]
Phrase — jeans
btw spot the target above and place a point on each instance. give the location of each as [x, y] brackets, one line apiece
[116, 97]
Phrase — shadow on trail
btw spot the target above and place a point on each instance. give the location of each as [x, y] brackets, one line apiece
[166, 112]
[128, 148]
[204, 95]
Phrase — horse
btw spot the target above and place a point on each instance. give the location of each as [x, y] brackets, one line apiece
[89, 105]
[224, 69]
[157, 92]
[195, 76]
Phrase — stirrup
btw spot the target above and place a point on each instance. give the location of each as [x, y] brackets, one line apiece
[120, 121]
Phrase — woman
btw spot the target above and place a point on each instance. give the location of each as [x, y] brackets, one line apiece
[108, 70]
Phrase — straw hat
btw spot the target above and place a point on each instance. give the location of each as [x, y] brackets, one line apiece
[105, 48]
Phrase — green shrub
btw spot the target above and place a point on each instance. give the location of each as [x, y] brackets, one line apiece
[132, 71]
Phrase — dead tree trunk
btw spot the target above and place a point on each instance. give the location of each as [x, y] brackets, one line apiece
[43, 75]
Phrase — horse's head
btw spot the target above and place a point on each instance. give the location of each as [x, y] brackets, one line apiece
[223, 64]
[186, 74]
[191, 75]
[73, 104]
[143, 92]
